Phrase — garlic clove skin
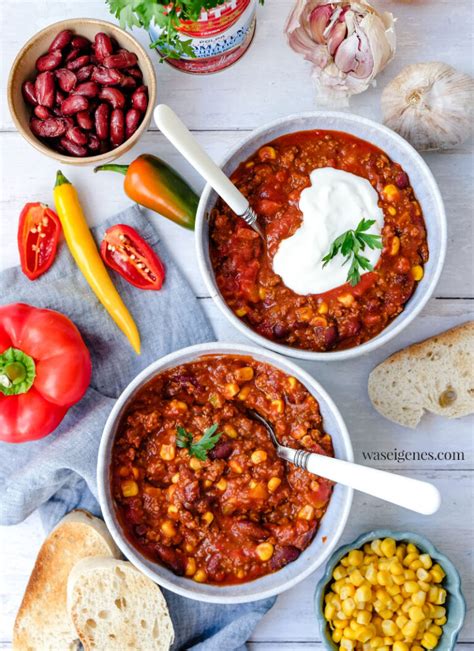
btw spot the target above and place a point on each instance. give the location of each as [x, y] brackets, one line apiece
[430, 105]
[318, 21]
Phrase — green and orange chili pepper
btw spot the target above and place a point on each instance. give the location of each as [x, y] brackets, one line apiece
[152, 183]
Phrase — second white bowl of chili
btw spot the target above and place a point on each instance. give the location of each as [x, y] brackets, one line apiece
[244, 525]
[272, 166]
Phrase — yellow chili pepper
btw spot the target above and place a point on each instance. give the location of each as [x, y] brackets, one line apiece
[84, 251]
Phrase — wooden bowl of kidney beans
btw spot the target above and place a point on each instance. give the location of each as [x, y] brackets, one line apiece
[82, 91]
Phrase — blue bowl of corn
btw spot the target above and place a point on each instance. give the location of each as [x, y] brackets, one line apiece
[390, 591]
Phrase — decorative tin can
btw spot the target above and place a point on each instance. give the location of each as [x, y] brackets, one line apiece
[219, 38]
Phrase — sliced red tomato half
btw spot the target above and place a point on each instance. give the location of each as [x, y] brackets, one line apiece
[125, 251]
[38, 234]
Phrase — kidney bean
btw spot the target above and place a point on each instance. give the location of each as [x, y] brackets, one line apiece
[117, 127]
[60, 41]
[66, 79]
[101, 119]
[135, 72]
[140, 99]
[171, 557]
[114, 96]
[106, 76]
[74, 104]
[283, 556]
[75, 64]
[132, 120]
[76, 135]
[49, 61]
[72, 148]
[102, 46]
[88, 89]
[42, 112]
[120, 60]
[81, 42]
[73, 54]
[50, 128]
[59, 98]
[29, 93]
[93, 143]
[402, 180]
[222, 450]
[245, 529]
[84, 73]
[84, 120]
[128, 83]
[45, 88]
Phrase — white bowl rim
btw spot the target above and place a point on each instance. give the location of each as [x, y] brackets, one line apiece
[130, 552]
[403, 319]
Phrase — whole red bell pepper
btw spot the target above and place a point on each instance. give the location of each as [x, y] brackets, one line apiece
[45, 368]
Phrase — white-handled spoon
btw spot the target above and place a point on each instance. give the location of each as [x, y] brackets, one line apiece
[179, 135]
[413, 494]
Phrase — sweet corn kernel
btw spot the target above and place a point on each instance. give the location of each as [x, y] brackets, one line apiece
[355, 557]
[375, 545]
[241, 311]
[200, 576]
[339, 573]
[392, 211]
[190, 566]
[419, 598]
[417, 272]
[208, 517]
[347, 590]
[346, 644]
[349, 633]
[363, 617]
[329, 611]
[231, 389]
[336, 635]
[439, 611]
[389, 627]
[278, 406]
[356, 578]
[436, 630]
[441, 597]
[179, 405]
[429, 641]
[307, 512]
[167, 452]
[384, 578]
[363, 593]
[262, 293]
[194, 463]
[323, 308]
[244, 374]
[416, 614]
[401, 620]
[437, 573]
[396, 568]
[410, 629]
[391, 192]
[207, 483]
[175, 478]
[376, 642]
[273, 484]
[129, 488]
[440, 621]
[304, 314]
[258, 456]
[168, 528]
[230, 431]
[387, 547]
[236, 467]
[221, 484]
[346, 299]
[400, 646]
[267, 153]
[411, 587]
[244, 392]
[172, 509]
[264, 551]
[189, 547]
[426, 561]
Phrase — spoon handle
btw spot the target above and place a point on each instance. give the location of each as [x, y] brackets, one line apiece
[180, 136]
[413, 494]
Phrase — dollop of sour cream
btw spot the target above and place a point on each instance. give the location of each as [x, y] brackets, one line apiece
[334, 203]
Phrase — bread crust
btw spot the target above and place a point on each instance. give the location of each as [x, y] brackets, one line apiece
[436, 375]
[42, 622]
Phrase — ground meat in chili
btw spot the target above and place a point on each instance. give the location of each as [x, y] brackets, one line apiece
[272, 179]
[241, 513]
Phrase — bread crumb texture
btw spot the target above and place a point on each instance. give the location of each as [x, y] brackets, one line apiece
[435, 375]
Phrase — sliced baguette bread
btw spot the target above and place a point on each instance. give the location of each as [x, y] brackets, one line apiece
[434, 375]
[115, 607]
[43, 622]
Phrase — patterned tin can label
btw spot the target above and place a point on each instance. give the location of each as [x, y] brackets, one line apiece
[219, 38]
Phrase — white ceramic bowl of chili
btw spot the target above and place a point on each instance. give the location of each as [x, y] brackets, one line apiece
[330, 528]
[398, 150]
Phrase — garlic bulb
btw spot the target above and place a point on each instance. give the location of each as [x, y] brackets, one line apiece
[347, 42]
[430, 105]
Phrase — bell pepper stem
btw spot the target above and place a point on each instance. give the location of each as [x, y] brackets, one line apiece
[17, 372]
[111, 167]
[61, 179]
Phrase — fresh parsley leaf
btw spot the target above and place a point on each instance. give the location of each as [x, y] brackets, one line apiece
[349, 245]
[199, 449]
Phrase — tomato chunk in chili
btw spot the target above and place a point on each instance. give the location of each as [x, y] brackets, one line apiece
[241, 512]
[273, 179]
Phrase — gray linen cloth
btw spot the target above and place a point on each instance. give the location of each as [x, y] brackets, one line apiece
[57, 474]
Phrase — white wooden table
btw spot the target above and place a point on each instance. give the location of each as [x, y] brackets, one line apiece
[269, 82]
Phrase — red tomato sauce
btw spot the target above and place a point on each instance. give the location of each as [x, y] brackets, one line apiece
[273, 179]
[242, 512]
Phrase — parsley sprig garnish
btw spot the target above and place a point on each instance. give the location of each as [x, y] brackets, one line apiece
[185, 439]
[350, 244]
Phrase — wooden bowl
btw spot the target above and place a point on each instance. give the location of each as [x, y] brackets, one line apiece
[23, 68]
